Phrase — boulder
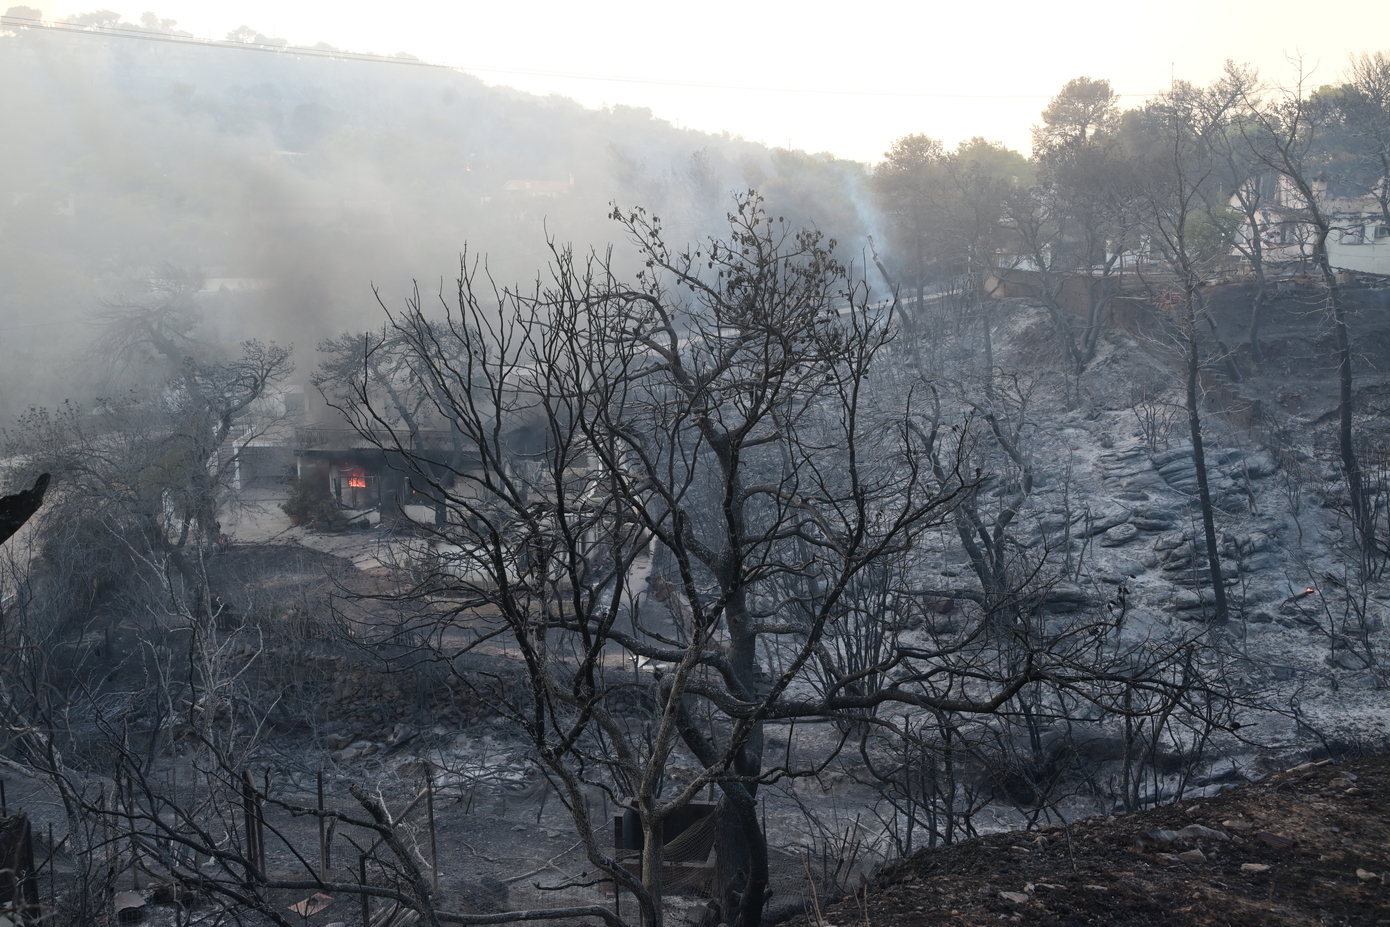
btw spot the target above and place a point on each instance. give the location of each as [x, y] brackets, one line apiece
[1184, 600]
[1103, 519]
[1258, 562]
[1066, 597]
[1199, 832]
[1154, 517]
[1118, 535]
[1178, 469]
[1167, 457]
[1170, 541]
[1129, 567]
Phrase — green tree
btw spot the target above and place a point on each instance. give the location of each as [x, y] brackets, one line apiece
[1078, 220]
[1363, 107]
[1083, 114]
[907, 188]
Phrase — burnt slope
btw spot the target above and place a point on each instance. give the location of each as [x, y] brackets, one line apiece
[1321, 831]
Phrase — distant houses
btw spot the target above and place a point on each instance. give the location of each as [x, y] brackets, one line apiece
[1360, 237]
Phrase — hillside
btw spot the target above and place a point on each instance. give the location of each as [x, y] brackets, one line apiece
[1308, 846]
[297, 183]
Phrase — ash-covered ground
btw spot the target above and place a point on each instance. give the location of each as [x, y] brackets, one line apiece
[1113, 506]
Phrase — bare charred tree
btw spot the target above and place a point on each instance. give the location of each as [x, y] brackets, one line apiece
[1240, 200]
[714, 416]
[349, 361]
[1176, 174]
[206, 820]
[150, 467]
[978, 178]
[1110, 692]
[1284, 136]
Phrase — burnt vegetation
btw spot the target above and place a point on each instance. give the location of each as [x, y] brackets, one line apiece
[716, 567]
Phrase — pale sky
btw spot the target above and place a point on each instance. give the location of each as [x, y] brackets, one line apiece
[841, 77]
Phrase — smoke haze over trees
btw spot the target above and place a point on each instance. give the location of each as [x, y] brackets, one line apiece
[295, 183]
[725, 442]
[296, 180]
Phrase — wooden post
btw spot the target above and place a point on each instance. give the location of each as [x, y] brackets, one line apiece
[366, 901]
[429, 806]
[260, 821]
[52, 880]
[134, 843]
[248, 812]
[105, 833]
[617, 851]
[323, 833]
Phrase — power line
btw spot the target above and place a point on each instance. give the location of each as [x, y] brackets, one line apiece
[305, 52]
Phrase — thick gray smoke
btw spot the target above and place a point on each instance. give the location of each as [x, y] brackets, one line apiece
[296, 184]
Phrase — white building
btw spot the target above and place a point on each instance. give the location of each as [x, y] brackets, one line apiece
[1359, 240]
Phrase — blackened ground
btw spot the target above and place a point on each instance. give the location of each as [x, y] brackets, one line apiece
[1308, 846]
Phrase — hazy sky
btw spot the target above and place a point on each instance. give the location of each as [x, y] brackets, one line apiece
[841, 77]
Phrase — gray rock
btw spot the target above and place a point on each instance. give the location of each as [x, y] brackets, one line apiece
[1149, 482]
[1176, 453]
[1198, 832]
[1345, 659]
[1103, 520]
[1123, 468]
[1223, 458]
[1128, 567]
[1171, 541]
[1066, 597]
[1254, 543]
[1258, 562]
[1177, 555]
[1118, 535]
[1199, 575]
[1185, 600]
[1154, 516]
[1178, 469]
